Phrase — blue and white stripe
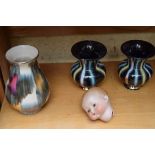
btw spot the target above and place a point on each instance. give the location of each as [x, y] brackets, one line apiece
[88, 73]
[134, 72]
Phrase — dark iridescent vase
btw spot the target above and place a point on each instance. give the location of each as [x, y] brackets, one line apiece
[134, 71]
[88, 70]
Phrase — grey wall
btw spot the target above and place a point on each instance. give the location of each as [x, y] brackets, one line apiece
[56, 49]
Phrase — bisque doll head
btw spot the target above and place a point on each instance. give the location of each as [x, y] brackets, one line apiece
[96, 104]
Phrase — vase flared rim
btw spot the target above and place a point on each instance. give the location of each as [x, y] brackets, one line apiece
[88, 49]
[138, 49]
[21, 54]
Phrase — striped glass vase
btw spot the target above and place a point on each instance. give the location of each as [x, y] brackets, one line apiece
[134, 71]
[88, 70]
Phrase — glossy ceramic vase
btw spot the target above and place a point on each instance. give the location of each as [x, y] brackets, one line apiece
[88, 70]
[27, 88]
[134, 71]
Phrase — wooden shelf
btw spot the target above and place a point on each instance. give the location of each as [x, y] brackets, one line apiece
[133, 109]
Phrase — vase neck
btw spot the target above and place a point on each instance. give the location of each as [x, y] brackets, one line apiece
[28, 64]
[136, 63]
[88, 63]
[23, 68]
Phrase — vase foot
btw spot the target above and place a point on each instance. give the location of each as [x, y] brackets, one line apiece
[131, 87]
[85, 88]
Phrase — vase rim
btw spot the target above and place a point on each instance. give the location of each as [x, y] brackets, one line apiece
[138, 49]
[88, 49]
[21, 54]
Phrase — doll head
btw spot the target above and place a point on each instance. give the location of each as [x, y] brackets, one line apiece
[96, 104]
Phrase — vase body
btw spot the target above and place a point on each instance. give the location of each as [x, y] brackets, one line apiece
[134, 72]
[27, 88]
[88, 70]
[88, 73]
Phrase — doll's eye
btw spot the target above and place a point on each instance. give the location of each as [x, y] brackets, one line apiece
[94, 105]
[88, 110]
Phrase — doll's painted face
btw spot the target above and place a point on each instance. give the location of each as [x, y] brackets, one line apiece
[95, 105]
[94, 110]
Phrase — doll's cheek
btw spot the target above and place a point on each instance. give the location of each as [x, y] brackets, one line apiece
[99, 109]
